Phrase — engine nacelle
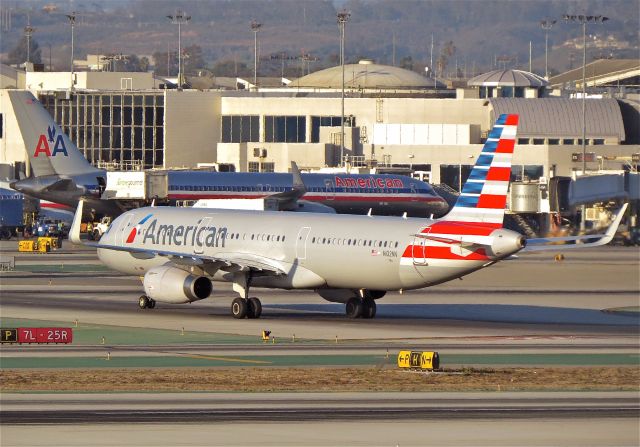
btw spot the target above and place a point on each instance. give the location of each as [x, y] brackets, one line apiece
[168, 284]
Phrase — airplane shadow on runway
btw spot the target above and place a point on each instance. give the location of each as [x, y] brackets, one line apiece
[498, 313]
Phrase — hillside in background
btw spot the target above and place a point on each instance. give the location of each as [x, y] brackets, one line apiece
[472, 36]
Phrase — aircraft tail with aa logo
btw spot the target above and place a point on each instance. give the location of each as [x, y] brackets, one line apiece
[50, 151]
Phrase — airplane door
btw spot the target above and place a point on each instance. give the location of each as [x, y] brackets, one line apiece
[419, 248]
[330, 191]
[414, 193]
[301, 243]
[199, 249]
[124, 230]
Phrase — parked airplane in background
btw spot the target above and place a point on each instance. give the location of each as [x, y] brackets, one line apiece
[345, 258]
[63, 175]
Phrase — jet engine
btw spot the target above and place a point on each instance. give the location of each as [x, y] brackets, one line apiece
[169, 284]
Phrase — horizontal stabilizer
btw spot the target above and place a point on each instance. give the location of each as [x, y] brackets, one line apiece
[559, 243]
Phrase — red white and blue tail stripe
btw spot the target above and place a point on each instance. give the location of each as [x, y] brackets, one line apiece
[484, 195]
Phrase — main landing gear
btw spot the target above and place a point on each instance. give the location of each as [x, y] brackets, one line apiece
[243, 306]
[361, 307]
[246, 308]
[146, 303]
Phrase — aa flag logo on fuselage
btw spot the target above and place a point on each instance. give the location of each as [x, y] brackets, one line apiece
[135, 230]
[51, 144]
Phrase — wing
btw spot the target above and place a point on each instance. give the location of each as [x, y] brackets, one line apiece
[230, 262]
[588, 240]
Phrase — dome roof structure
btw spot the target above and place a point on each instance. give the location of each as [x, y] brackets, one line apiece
[508, 78]
[366, 75]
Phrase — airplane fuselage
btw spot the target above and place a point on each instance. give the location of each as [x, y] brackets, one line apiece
[315, 251]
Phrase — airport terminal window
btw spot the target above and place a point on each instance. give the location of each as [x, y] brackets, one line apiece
[554, 141]
[598, 141]
[567, 141]
[451, 175]
[240, 128]
[327, 121]
[523, 141]
[285, 129]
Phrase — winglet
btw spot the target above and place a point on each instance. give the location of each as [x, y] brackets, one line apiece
[74, 232]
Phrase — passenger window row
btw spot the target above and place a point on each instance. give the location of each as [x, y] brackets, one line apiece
[354, 242]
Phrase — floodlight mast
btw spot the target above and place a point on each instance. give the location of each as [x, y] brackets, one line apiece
[28, 32]
[255, 27]
[72, 22]
[583, 20]
[546, 25]
[179, 18]
[343, 18]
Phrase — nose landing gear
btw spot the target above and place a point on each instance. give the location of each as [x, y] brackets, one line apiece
[146, 303]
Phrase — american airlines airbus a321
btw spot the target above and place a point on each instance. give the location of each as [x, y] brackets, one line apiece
[345, 258]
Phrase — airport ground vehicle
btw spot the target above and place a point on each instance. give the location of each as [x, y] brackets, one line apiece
[11, 213]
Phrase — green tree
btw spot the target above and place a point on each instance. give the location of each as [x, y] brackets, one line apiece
[192, 59]
[231, 68]
[160, 63]
[18, 54]
[406, 63]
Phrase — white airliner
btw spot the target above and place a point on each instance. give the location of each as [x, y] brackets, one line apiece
[345, 258]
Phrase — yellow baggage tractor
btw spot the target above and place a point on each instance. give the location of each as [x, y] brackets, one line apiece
[27, 245]
[44, 244]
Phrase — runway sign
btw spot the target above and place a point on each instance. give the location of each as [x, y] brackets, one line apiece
[37, 335]
[418, 360]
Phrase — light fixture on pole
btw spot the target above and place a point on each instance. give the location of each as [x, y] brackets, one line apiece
[343, 18]
[583, 20]
[179, 18]
[72, 22]
[546, 25]
[28, 32]
[255, 27]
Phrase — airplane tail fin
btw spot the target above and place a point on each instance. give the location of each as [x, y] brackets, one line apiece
[484, 195]
[50, 151]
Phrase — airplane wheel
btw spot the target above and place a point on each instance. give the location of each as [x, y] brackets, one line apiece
[239, 308]
[254, 308]
[368, 308]
[143, 302]
[152, 303]
[96, 235]
[354, 308]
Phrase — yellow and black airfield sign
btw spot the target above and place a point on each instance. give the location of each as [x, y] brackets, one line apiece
[418, 360]
[9, 335]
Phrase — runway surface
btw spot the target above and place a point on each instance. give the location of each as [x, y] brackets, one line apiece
[586, 305]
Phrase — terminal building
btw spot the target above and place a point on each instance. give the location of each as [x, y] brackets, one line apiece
[395, 120]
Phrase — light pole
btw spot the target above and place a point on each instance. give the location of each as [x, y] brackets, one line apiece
[583, 20]
[546, 25]
[179, 18]
[343, 17]
[72, 22]
[28, 32]
[255, 27]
